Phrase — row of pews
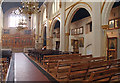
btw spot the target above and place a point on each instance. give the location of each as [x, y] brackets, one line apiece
[38, 54]
[4, 63]
[77, 67]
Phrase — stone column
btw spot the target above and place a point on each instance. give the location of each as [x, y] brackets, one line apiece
[40, 33]
[37, 32]
[48, 34]
[48, 26]
[104, 40]
[62, 27]
[97, 30]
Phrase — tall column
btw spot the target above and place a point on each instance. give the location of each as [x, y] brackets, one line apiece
[104, 40]
[97, 30]
[40, 33]
[37, 32]
[62, 27]
[48, 34]
[48, 26]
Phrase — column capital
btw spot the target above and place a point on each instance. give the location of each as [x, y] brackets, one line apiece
[67, 34]
[105, 26]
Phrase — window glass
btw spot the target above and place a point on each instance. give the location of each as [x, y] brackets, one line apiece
[15, 18]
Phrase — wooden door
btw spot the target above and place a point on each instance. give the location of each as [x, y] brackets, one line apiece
[57, 45]
[75, 46]
[112, 48]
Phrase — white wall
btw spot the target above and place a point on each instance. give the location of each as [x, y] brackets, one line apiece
[87, 37]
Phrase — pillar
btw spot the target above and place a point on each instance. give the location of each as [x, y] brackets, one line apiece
[62, 27]
[37, 32]
[97, 31]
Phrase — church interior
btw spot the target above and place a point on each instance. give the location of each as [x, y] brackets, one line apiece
[60, 41]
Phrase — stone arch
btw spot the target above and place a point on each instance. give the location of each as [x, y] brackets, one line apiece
[73, 11]
[70, 16]
[106, 11]
[51, 31]
[53, 24]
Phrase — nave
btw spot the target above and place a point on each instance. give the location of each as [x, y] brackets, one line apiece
[61, 41]
[63, 67]
[26, 70]
[66, 67]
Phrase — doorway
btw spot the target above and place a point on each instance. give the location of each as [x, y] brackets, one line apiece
[112, 48]
[75, 46]
[57, 45]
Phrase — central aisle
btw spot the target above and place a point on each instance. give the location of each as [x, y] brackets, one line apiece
[25, 70]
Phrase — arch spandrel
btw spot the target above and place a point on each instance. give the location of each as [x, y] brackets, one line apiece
[73, 11]
[106, 11]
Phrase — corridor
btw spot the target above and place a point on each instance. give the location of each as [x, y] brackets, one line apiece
[25, 70]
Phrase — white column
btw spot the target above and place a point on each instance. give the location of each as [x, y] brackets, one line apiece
[40, 33]
[62, 27]
[37, 31]
[48, 34]
[97, 30]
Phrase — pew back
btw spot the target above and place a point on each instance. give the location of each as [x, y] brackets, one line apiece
[105, 75]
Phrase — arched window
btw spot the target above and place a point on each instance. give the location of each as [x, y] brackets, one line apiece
[15, 18]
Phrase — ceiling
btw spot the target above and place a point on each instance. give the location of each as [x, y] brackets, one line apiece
[6, 5]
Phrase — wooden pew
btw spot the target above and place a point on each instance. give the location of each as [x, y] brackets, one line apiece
[77, 71]
[91, 67]
[114, 63]
[96, 66]
[102, 65]
[38, 54]
[54, 59]
[105, 75]
[4, 66]
[81, 70]
[86, 56]
[48, 59]
[63, 67]
[98, 59]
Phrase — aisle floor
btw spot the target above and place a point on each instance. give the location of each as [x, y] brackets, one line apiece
[25, 70]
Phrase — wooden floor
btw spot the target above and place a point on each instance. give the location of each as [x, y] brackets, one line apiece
[25, 70]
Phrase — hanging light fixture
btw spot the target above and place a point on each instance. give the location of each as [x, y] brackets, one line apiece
[30, 7]
[22, 25]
